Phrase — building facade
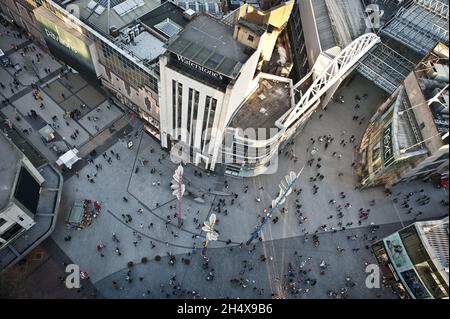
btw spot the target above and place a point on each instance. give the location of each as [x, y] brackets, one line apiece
[414, 260]
[407, 138]
[29, 199]
[194, 78]
[206, 74]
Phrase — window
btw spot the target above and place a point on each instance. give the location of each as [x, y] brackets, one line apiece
[423, 265]
[11, 232]
[194, 116]
[174, 105]
[189, 115]
[2, 222]
[250, 38]
[205, 120]
[180, 104]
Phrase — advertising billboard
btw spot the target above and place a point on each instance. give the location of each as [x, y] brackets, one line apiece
[66, 43]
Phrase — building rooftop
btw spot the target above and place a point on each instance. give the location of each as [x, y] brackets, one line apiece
[210, 6]
[420, 26]
[406, 133]
[265, 105]
[338, 22]
[210, 43]
[122, 12]
[167, 10]
[146, 46]
[436, 239]
[251, 26]
[8, 169]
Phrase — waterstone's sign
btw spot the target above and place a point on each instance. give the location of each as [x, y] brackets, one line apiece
[388, 152]
[199, 67]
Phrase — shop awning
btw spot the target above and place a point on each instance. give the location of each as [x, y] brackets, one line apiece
[69, 158]
[75, 216]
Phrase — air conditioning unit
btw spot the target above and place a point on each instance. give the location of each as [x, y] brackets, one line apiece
[114, 31]
[189, 14]
[438, 72]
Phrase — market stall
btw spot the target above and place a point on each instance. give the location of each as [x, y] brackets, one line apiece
[47, 133]
[83, 213]
[69, 158]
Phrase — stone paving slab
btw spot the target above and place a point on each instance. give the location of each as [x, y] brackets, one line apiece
[27, 103]
[105, 117]
[74, 82]
[91, 96]
[34, 138]
[270, 275]
[33, 72]
[7, 42]
[6, 79]
[54, 89]
[72, 103]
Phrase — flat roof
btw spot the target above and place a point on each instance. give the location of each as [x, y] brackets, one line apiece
[95, 12]
[418, 28]
[8, 169]
[146, 46]
[210, 43]
[167, 10]
[251, 26]
[265, 105]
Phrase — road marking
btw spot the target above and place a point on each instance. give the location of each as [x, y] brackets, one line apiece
[398, 214]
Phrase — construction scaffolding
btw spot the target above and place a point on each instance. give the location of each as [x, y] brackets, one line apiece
[385, 67]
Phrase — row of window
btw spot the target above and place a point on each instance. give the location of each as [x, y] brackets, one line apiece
[207, 119]
[124, 67]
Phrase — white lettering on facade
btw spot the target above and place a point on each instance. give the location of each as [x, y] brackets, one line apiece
[50, 34]
[387, 143]
[199, 67]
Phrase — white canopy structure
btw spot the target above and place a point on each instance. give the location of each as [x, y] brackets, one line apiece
[69, 158]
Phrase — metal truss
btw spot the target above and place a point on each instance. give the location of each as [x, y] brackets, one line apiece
[437, 7]
[335, 70]
[385, 67]
[420, 26]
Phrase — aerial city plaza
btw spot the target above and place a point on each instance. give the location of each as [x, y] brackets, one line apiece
[224, 149]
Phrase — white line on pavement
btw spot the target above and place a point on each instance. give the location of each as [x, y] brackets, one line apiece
[398, 214]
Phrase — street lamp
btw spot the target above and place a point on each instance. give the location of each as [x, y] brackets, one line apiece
[285, 191]
[178, 189]
[208, 228]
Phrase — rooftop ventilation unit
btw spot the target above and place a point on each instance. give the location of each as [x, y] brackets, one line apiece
[114, 31]
[189, 14]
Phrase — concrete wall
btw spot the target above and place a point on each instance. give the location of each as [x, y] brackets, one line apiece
[166, 115]
[242, 34]
[145, 98]
[311, 35]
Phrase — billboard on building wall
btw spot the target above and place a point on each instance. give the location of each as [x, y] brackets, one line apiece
[66, 43]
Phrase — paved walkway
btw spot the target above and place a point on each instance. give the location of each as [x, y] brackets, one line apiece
[143, 176]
